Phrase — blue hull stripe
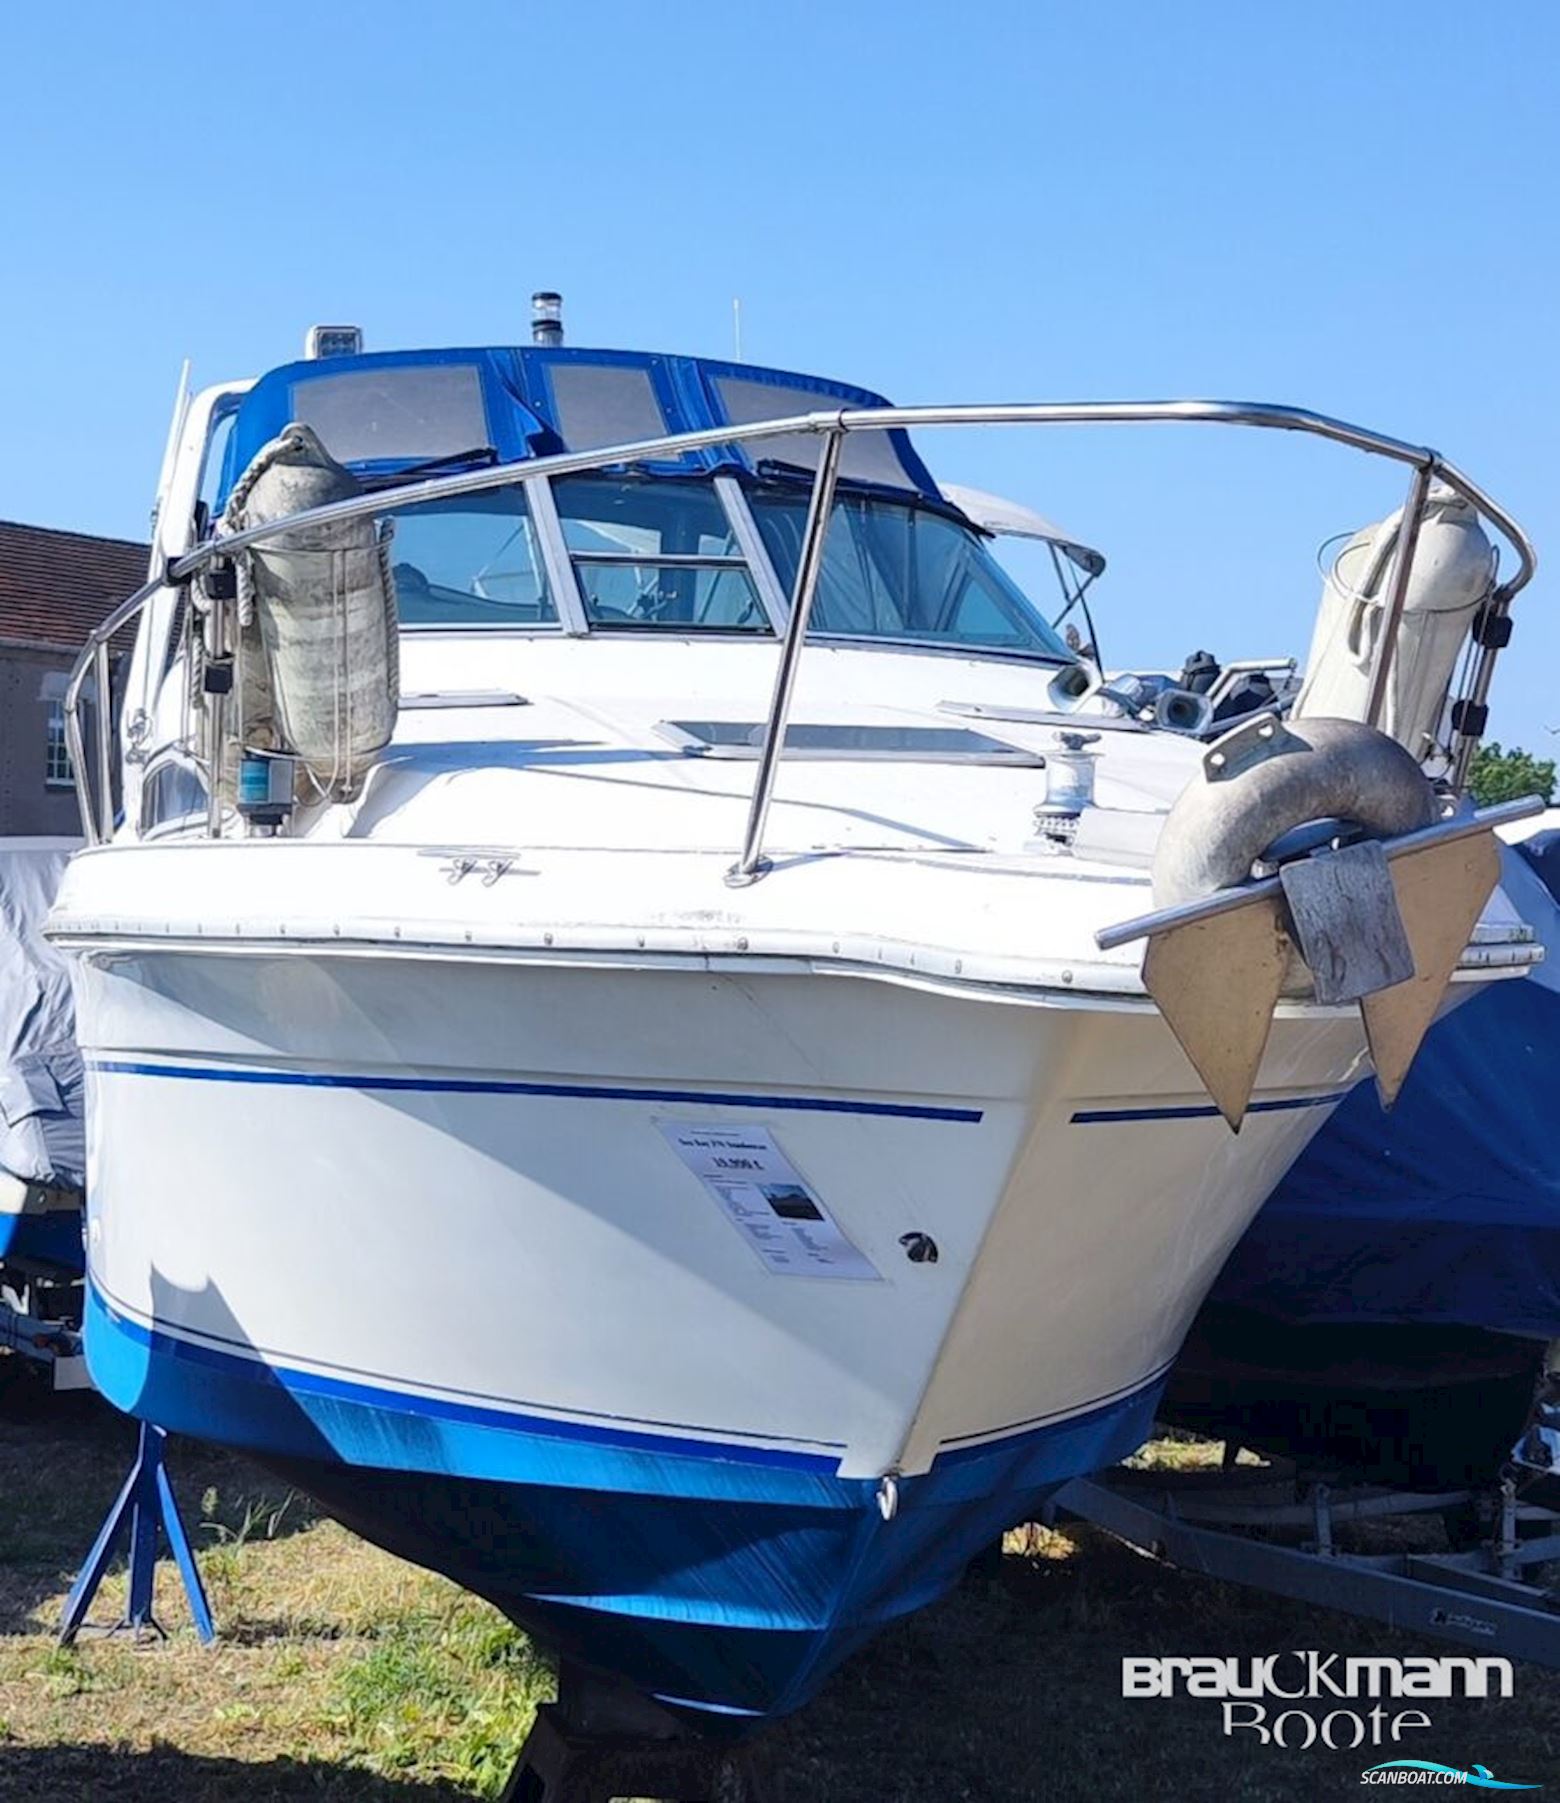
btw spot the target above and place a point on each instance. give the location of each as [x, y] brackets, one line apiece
[1198, 1111]
[309, 1387]
[437, 1408]
[483, 1086]
[374, 1384]
[971, 1446]
[731, 1588]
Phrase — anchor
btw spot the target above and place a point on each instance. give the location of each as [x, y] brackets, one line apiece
[1380, 921]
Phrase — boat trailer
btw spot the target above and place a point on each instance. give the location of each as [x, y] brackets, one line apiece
[1272, 1529]
[44, 1337]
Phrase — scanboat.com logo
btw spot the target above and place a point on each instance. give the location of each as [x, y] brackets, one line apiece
[1426, 1771]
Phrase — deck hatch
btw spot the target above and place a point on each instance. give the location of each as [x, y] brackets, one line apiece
[899, 744]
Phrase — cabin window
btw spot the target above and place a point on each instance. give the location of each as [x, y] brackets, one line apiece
[657, 554]
[173, 793]
[471, 561]
[901, 744]
[892, 571]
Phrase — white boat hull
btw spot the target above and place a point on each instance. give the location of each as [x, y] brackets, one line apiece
[455, 1179]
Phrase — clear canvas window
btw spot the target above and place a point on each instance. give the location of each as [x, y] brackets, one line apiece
[865, 456]
[409, 414]
[604, 404]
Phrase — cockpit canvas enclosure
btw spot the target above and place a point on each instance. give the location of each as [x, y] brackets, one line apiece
[380, 413]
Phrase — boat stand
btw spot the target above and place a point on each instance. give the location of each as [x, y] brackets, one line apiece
[1488, 1593]
[144, 1504]
[601, 1741]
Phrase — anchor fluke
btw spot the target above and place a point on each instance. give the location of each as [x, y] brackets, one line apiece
[1222, 1026]
[1441, 892]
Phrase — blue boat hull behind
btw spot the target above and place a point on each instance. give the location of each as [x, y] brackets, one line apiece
[52, 1240]
[1388, 1309]
[715, 1582]
[1446, 1212]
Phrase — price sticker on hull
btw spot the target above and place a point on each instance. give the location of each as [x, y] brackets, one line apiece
[768, 1201]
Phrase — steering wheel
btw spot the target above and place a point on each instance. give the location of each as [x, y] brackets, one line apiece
[650, 604]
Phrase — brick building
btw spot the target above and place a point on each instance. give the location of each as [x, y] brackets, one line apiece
[54, 588]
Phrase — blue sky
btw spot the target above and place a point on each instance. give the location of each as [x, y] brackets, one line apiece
[1349, 207]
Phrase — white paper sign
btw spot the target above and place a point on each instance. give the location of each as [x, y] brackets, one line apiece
[768, 1201]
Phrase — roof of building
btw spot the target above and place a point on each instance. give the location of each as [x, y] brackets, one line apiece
[56, 587]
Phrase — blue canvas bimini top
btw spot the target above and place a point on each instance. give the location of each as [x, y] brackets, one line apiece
[386, 410]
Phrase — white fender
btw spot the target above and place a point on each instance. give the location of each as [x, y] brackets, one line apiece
[320, 634]
[1263, 779]
[1453, 572]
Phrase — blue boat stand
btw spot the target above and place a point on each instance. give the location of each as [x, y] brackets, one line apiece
[145, 1503]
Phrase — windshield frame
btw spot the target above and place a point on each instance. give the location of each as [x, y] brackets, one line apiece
[575, 620]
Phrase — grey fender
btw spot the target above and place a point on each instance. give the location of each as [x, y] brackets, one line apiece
[1266, 777]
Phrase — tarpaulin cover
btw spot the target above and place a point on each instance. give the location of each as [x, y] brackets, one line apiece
[42, 1136]
[1447, 1210]
[383, 411]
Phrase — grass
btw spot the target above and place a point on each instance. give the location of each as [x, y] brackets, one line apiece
[343, 1675]
[339, 1672]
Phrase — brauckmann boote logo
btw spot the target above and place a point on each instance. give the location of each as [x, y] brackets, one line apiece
[1427, 1771]
[1303, 1699]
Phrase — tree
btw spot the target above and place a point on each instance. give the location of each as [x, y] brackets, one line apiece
[1499, 775]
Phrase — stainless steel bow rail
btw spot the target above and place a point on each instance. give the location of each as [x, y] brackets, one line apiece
[95, 794]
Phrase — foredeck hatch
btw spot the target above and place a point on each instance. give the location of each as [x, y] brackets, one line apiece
[899, 744]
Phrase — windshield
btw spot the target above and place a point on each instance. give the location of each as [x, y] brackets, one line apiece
[660, 554]
[472, 561]
[892, 571]
[656, 554]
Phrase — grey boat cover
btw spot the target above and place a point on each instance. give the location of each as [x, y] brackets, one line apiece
[42, 1131]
